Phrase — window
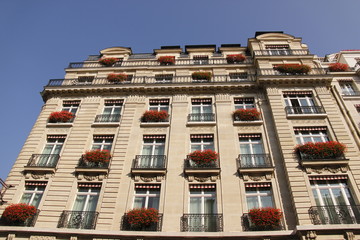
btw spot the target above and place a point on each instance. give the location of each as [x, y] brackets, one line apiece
[251, 150]
[33, 193]
[258, 195]
[163, 78]
[153, 152]
[147, 196]
[51, 152]
[244, 103]
[202, 142]
[103, 142]
[201, 110]
[238, 76]
[159, 104]
[299, 102]
[347, 88]
[310, 134]
[113, 107]
[71, 106]
[201, 59]
[278, 49]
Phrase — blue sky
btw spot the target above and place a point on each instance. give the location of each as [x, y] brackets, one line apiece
[38, 39]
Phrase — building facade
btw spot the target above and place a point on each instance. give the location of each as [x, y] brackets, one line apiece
[248, 108]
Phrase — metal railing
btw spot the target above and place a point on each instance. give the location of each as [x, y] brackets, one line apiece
[281, 52]
[304, 110]
[201, 117]
[248, 225]
[156, 227]
[3, 189]
[149, 162]
[272, 72]
[335, 214]
[189, 164]
[29, 222]
[202, 223]
[149, 80]
[69, 121]
[83, 163]
[104, 118]
[43, 160]
[352, 93]
[142, 63]
[78, 219]
[320, 156]
[254, 161]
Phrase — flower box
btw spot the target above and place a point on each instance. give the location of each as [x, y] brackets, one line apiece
[293, 68]
[204, 158]
[62, 116]
[167, 60]
[321, 150]
[108, 61]
[263, 219]
[338, 67]
[97, 156]
[18, 214]
[155, 116]
[142, 218]
[251, 114]
[235, 58]
[201, 76]
[117, 77]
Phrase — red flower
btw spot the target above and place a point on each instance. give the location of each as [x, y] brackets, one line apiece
[292, 68]
[62, 116]
[108, 61]
[18, 213]
[321, 150]
[246, 114]
[117, 77]
[97, 156]
[155, 116]
[205, 157]
[265, 218]
[201, 75]
[140, 217]
[338, 67]
[235, 58]
[166, 60]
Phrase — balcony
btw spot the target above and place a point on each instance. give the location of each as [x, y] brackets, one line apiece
[44, 163]
[107, 118]
[30, 222]
[202, 223]
[250, 164]
[201, 119]
[351, 93]
[310, 162]
[210, 170]
[153, 165]
[155, 227]
[78, 219]
[305, 112]
[281, 52]
[335, 214]
[272, 72]
[248, 225]
[98, 169]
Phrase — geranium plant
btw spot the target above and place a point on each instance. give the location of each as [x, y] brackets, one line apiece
[265, 218]
[155, 116]
[338, 67]
[201, 76]
[235, 58]
[108, 61]
[142, 217]
[293, 68]
[62, 116]
[250, 114]
[321, 150]
[117, 77]
[167, 60]
[204, 158]
[17, 214]
[97, 156]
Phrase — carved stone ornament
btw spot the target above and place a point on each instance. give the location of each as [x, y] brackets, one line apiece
[222, 97]
[202, 129]
[249, 129]
[330, 169]
[135, 99]
[37, 176]
[159, 178]
[155, 130]
[73, 238]
[180, 98]
[311, 235]
[256, 178]
[10, 237]
[42, 238]
[349, 236]
[306, 122]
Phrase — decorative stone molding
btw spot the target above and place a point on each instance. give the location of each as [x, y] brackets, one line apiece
[246, 176]
[222, 97]
[180, 98]
[73, 238]
[308, 122]
[136, 99]
[10, 237]
[311, 235]
[36, 176]
[154, 130]
[330, 169]
[91, 99]
[349, 236]
[322, 90]
[159, 178]
[55, 131]
[192, 178]
[249, 129]
[42, 238]
[91, 177]
[272, 91]
[202, 129]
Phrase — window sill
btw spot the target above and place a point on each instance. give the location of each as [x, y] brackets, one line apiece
[245, 123]
[349, 97]
[45, 171]
[59, 124]
[306, 116]
[105, 124]
[154, 124]
[212, 123]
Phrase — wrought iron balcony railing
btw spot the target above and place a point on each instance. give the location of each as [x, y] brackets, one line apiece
[248, 225]
[325, 156]
[149, 162]
[162, 121]
[281, 52]
[201, 117]
[272, 72]
[304, 110]
[105, 118]
[30, 222]
[254, 161]
[335, 214]
[351, 93]
[202, 223]
[43, 160]
[142, 63]
[155, 227]
[70, 121]
[78, 219]
[149, 80]
[83, 163]
[189, 164]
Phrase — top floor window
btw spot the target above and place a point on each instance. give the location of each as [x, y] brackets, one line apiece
[279, 49]
[201, 59]
[159, 104]
[244, 103]
[71, 106]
